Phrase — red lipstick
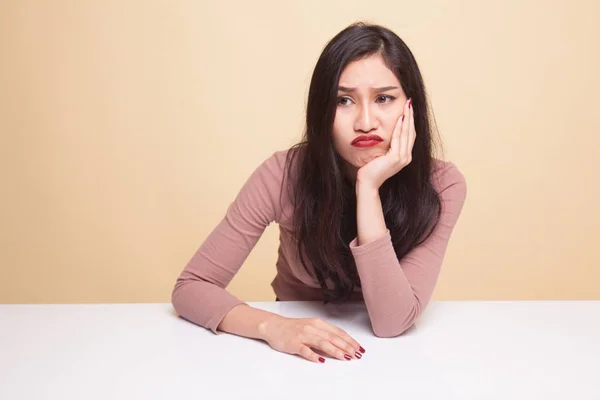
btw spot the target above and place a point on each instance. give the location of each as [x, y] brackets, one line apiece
[366, 140]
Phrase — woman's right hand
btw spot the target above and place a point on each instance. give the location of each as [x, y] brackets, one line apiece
[304, 335]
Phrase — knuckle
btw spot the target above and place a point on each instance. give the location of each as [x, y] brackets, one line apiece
[351, 342]
[349, 347]
[310, 355]
[301, 337]
[343, 343]
[343, 334]
[338, 342]
[305, 351]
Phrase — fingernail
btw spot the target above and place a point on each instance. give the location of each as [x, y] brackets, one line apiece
[360, 348]
[347, 357]
[409, 102]
[358, 355]
[321, 359]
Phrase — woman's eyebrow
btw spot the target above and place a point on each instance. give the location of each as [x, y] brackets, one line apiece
[379, 89]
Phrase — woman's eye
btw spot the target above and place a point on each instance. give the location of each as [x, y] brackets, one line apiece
[390, 98]
[344, 101]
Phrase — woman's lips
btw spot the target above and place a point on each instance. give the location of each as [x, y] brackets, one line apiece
[366, 143]
[366, 140]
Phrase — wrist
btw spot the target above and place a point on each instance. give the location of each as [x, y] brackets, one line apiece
[366, 188]
[265, 325]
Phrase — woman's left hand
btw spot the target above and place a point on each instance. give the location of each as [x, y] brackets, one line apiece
[399, 155]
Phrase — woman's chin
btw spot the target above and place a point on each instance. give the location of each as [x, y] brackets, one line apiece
[365, 159]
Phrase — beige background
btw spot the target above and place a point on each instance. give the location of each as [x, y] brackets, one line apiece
[127, 127]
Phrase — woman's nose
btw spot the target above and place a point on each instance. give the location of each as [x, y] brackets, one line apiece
[365, 120]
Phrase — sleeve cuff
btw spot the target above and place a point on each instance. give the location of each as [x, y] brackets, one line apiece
[223, 310]
[374, 246]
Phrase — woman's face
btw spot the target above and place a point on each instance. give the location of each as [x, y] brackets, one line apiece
[370, 101]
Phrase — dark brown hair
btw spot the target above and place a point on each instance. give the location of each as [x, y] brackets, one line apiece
[324, 200]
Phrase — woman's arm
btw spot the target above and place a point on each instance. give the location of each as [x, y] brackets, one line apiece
[244, 320]
[369, 215]
[199, 294]
[397, 291]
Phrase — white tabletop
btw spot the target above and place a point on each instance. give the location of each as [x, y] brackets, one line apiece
[458, 350]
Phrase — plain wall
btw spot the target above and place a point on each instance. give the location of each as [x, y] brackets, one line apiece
[127, 128]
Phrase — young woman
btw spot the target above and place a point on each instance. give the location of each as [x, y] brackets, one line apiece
[365, 211]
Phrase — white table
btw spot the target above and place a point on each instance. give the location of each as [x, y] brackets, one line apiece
[458, 350]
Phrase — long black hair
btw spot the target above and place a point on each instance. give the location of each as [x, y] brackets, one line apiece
[324, 200]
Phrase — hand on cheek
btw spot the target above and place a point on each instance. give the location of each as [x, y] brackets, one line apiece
[399, 154]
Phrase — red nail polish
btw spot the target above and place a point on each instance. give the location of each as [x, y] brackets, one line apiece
[321, 359]
[358, 355]
[361, 349]
[347, 357]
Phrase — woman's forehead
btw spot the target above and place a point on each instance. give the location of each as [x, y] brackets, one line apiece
[370, 72]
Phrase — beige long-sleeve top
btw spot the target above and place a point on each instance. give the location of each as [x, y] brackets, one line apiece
[395, 291]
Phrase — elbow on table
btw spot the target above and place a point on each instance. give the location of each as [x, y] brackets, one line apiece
[392, 327]
[391, 330]
[191, 300]
[176, 295]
